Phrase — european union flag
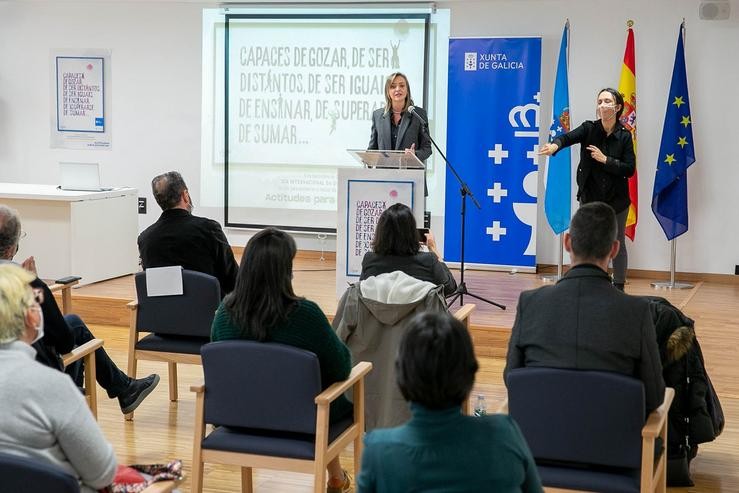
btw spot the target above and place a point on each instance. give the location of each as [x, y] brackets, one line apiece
[557, 201]
[676, 153]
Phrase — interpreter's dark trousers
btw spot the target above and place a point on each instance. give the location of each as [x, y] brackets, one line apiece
[621, 259]
[107, 374]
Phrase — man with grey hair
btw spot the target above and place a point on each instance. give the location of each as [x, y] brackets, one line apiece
[180, 238]
[583, 322]
[62, 333]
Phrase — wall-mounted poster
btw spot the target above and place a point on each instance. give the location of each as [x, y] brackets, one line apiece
[81, 117]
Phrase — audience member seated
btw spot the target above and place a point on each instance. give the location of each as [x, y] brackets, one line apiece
[180, 238]
[583, 322]
[264, 307]
[44, 416]
[440, 449]
[396, 247]
[65, 332]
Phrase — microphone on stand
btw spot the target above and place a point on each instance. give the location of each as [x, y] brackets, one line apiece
[412, 111]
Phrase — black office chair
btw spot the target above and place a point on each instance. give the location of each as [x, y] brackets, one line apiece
[587, 431]
[179, 325]
[267, 401]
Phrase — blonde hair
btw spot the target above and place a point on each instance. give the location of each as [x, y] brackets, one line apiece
[388, 101]
[15, 298]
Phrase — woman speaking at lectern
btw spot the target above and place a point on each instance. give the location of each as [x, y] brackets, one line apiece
[394, 127]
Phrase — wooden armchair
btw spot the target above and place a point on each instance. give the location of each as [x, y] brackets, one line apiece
[85, 352]
[267, 400]
[586, 429]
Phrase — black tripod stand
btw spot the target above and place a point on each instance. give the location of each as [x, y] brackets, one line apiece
[464, 192]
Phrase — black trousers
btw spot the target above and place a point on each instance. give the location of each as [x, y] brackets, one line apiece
[107, 374]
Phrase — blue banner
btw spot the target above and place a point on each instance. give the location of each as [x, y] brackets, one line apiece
[492, 141]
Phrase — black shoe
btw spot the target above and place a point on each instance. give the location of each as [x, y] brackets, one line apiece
[136, 392]
[619, 286]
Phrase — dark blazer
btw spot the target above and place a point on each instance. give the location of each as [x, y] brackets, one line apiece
[423, 265]
[585, 323]
[411, 131]
[602, 182]
[195, 243]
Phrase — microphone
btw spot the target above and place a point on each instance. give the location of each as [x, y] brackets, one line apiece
[412, 111]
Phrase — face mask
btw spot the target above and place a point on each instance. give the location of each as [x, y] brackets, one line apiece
[39, 327]
[606, 111]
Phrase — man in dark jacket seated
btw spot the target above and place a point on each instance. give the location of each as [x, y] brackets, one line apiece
[62, 333]
[583, 322]
[181, 238]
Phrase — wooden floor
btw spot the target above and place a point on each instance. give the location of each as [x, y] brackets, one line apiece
[163, 430]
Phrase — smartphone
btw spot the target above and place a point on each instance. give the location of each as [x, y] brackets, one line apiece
[422, 234]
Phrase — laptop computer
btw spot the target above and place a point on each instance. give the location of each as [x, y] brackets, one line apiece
[84, 177]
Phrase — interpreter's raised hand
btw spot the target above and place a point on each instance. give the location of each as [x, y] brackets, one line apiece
[547, 149]
[597, 154]
[30, 265]
[411, 149]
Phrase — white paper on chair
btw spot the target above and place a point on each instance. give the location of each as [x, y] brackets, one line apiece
[164, 281]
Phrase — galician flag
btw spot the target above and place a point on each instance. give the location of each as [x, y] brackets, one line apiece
[627, 87]
[558, 198]
[676, 153]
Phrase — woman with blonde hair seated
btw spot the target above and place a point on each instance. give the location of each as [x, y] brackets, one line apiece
[44, 415]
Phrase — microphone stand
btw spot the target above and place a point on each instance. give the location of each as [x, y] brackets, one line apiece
[464, 192]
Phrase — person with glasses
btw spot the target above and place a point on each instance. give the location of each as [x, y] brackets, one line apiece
[44, 416]
[65, 332]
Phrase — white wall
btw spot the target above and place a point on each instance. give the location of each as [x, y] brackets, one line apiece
[156, 88]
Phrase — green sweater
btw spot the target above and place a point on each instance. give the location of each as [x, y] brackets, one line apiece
[306, 327]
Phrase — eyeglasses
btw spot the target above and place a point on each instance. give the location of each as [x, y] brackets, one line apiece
[22, 235]
[38, 295]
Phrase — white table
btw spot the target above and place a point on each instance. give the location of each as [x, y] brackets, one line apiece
[87, 234]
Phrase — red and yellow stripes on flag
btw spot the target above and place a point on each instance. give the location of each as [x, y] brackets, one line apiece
[627, 87]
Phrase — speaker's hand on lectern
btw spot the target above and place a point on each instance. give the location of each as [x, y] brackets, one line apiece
[547, 149]
[411, 149]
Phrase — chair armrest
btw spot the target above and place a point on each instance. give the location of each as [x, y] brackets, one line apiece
[198, 388]
[464, 313]
[161, 486]
[61, 287]
[656, 419]
[132, 305]
[503, 408]
[81, 351]
[335, 390]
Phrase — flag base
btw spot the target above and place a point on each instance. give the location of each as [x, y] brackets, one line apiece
[671, 285]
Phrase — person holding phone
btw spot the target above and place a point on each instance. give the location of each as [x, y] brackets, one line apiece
[396, 246]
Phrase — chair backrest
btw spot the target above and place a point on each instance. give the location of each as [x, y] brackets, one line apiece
[21, 475]
[260, 385]
[589, 417]
[190, 314]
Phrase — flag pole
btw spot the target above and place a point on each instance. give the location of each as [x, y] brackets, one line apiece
[556, 277]
[672, 284]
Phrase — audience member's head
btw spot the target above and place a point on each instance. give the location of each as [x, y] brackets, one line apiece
[436, 362]
[170, 191]
[17, 303]
[396, 232]
[592, 235]
[10, 232]
[264, 294]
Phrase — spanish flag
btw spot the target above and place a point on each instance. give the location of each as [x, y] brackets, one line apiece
[627, 87]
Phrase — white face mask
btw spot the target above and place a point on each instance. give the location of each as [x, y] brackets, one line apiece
[605, 111]
[39, 327]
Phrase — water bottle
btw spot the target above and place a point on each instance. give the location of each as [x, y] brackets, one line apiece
[480, 407]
